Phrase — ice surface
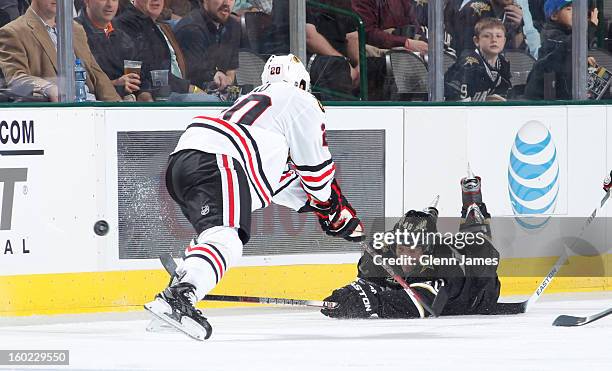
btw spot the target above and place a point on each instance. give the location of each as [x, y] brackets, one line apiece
[265, 338]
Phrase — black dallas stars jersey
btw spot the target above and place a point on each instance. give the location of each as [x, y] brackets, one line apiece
[471, 78]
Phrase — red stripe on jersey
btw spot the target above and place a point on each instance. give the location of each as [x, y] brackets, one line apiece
[286, 175]
[230, 190]
[205, 250]
[320, 177]
[246, 150]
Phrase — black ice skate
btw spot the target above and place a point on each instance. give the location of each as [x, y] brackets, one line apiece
[175, 306]
[474, 215]
[470, 189]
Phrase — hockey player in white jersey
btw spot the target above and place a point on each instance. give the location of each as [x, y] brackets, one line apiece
[270, 146]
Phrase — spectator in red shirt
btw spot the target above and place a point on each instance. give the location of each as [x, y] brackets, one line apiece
[385, 21]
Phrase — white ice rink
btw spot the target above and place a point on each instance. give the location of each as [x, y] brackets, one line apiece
[298, 339]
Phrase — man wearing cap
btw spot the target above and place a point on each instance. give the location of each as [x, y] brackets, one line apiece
[554, 66]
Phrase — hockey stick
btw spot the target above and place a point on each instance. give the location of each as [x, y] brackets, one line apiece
[439, 302]
[569, 321]
[555, 269]
[524, 306]
[170, 266]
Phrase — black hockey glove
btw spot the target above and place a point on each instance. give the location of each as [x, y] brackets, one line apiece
[359, 299]
[336, 215]
[608, 182]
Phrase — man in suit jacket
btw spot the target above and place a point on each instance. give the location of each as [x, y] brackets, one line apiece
[28, 55]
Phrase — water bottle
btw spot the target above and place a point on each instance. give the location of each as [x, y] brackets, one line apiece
[80, 77]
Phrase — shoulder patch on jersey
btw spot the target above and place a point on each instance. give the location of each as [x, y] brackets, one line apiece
[321, 106]
[470, 61]
[480, 7]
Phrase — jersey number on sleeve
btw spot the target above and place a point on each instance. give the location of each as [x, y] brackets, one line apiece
[262, 102]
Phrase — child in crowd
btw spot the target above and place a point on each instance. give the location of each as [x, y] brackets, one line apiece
[551, 75]
[482, 74]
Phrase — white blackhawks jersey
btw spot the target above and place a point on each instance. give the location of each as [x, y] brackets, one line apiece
[277, 133]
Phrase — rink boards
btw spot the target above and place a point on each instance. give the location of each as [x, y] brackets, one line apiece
[64, 169]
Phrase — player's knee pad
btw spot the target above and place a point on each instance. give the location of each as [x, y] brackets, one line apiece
[208, 258]
[226, 240]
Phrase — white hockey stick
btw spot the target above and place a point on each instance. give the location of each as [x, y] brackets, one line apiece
[555, 269]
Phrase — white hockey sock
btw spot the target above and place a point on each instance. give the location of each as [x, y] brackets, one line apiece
[207, 261]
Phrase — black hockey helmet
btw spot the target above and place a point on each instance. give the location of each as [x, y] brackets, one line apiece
[424, 222]
[414, 221]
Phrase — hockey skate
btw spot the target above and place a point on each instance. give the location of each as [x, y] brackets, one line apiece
[470, 189]
[474, 215]
[175, 306]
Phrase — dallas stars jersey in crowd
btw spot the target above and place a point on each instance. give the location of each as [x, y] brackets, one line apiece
[472, 78]
[277, 133]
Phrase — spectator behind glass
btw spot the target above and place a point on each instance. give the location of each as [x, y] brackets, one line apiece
[554, 67]
[157, 45]
[329, 70]
[175, 10]
[461, 16]
[4, 17]
[532, 34]
[421, 9]
[9, 11]
[109, 46]
[593, 24]
[210, 40]
[390, 24]
[28, 55]
[536, 7]
[339, 30]
[483, 74]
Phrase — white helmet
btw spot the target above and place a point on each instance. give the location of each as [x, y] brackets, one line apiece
[287, 68]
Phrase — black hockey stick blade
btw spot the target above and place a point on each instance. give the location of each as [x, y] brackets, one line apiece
[509, 308]
[168, 263]
[570, 321]
[440, 301]
[170, 266]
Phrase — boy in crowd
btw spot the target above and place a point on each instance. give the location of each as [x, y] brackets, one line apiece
[483, 74]
[555, 62]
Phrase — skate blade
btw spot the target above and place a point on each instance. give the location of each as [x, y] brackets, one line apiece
[189, 327]
[157, 325]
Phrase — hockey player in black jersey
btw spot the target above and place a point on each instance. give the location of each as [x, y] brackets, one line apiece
[483, 73]
[468, 274]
